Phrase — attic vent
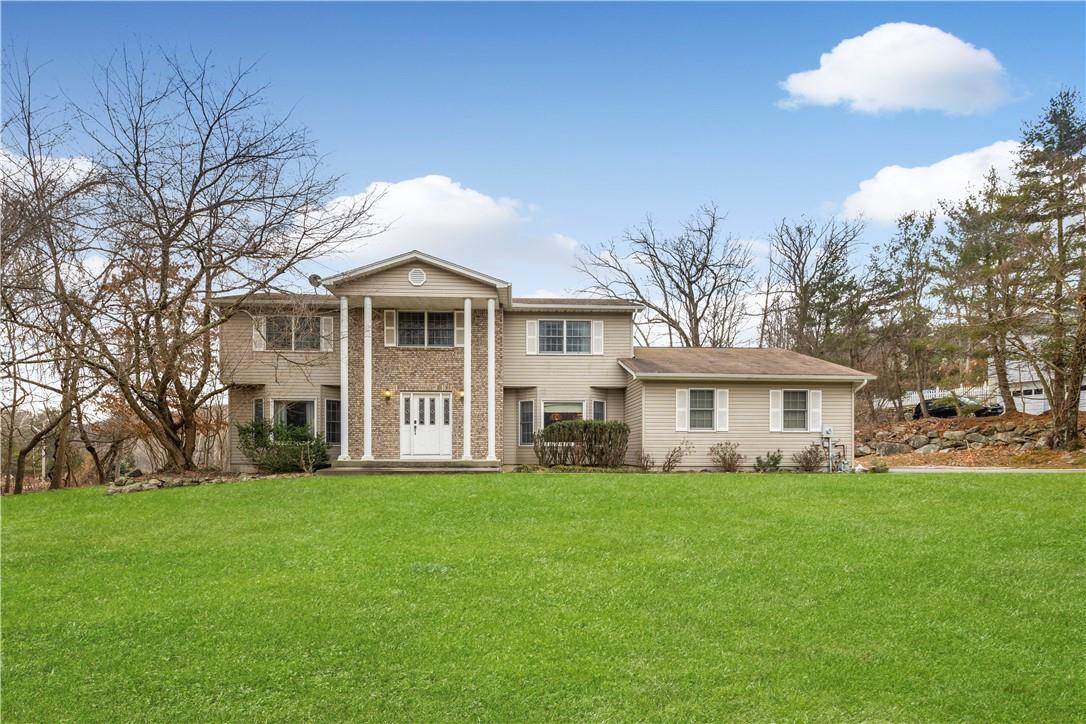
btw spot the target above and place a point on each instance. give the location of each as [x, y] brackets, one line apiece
[417, 277]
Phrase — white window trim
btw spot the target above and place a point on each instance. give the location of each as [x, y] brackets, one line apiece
[426, 329]
[565, 337]
[807, 411]
[543, 405]
[690, 409]
[521, 443]
[325, 344]
[316, 411]
[592, 408]
[325, 425]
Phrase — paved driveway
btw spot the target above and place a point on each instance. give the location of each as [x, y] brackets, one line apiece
[951, 469]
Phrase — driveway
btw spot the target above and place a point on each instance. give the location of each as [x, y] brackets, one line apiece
[952, 469]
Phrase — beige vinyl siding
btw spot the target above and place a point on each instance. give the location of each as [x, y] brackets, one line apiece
[241, 410]
[748, 421]
[439, 283]
[243, 365]
[523, 369]
[516, 454]
[632, 406]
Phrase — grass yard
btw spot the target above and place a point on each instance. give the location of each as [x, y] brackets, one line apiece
[551, 597]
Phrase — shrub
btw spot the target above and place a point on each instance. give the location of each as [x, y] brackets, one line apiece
[645, 461]
[725, 455]
[675, 456]
[281, 448]
[879, 468]
[810, 459]
[589, 443]
[771, 463]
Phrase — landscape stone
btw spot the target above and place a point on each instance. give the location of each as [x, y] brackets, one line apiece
[954, 435]
[927, 449]
[918, 441]
[894, 448]
[976, 437]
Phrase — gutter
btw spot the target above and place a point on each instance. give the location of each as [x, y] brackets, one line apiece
[753, 377]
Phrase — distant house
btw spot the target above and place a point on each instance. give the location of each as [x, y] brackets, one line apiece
[415, 360]
[1026, 390]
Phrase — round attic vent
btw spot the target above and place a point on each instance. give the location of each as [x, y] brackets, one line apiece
[417, 277]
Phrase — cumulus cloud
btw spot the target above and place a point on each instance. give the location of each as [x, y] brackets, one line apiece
[900, 66]
[895, 190]
[440, 216]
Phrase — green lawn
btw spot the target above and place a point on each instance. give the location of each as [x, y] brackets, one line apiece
[544, 597]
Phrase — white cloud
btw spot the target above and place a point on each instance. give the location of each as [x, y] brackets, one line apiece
[899, 66]
[895, 190]
[440, 216]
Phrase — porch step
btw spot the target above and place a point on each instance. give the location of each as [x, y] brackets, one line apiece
[355, 467]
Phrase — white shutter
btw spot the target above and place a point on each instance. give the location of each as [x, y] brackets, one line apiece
[258, 334]
[722, 410]
[458, 329]
[327, 326]
[682, 410]
[390, 328]
[531, 334]
[776, 398]
[597, 337]
[814, 410]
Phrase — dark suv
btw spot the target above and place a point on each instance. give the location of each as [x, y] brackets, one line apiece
[944, 407]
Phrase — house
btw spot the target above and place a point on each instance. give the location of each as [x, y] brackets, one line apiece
[1027, 392]
[403, 360]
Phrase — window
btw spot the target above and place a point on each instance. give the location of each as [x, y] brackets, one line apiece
[258, 409]
[307, 334]
[527, 421]
[701, 409]
[411, 329]
[294, 413]
[562, 336]
[439, 329]
[551, 335]
[278, 333]
[331, 422]
[448, 412]
[599, 410]
[794, 410]
[425, 329]
[406, 410]
[557, 411]
[300, 334]
[579, 337]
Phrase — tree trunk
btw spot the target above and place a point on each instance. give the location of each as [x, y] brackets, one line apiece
[999, 361]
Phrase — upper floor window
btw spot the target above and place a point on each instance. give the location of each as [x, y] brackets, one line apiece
[298, 334]
[425, 329]
[565, 336]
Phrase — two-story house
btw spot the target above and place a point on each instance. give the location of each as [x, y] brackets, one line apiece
[416, 360]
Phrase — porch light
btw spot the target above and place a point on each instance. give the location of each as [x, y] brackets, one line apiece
[388, 394]
[460, 394]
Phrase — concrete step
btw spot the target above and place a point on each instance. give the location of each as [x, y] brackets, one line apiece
[410, 467]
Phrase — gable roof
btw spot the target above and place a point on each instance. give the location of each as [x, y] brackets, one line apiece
[414, 255]
[751, 363]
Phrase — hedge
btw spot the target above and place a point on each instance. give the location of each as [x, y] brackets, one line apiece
[591, 443]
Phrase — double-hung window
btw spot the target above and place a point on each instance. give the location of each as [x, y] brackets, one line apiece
[701, 409]
[527, 422]
[298, 334]
[599, 410]
[565, 336]
[424, 329]
[794, 410]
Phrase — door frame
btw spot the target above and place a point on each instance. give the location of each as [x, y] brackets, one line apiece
[441, 396]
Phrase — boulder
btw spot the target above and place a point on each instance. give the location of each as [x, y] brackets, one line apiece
[1003, 437]
[918, 441]
[862, 450]
[976, 437]
[1005, 426]
[927, 449]
[1042, 443]
[893, 448]
[955, 435]
[976, 445]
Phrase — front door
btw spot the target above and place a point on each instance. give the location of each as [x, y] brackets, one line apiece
[426, 424]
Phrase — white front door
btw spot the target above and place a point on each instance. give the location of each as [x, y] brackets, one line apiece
[426, 424]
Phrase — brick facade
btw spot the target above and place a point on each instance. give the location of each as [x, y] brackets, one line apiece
[415, 369]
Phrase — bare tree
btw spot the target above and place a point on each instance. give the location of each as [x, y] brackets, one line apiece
[692, 285]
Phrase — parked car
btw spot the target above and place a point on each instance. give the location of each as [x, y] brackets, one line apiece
[944, 407]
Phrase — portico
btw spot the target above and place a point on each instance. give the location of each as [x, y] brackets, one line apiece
[419, 363]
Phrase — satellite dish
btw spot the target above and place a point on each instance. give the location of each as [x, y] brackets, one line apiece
[315, 280]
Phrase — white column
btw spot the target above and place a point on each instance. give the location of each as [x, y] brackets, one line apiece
[367, 379]
[344, 378]
[467, 378]
[490, 380]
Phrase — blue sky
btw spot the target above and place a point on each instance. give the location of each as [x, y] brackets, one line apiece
[513, 134]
